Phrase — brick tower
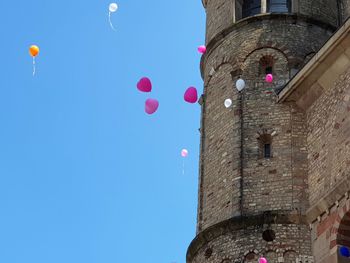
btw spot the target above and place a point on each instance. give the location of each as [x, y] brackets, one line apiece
[253, 174]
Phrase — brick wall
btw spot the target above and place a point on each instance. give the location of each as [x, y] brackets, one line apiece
[236, 189]
[245, 245]
[330, 231]
[268, 184]
[329, 139]
[345, 7]
[221, 14]
[324, 10]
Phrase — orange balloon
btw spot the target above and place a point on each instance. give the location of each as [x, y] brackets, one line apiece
[34, 50]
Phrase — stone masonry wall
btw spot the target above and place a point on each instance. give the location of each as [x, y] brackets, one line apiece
[345, 7]
[219, 16]
[220, 187]
[246, 245]
[277, 183]
[330, 231]
[329, 139]
[220, 13]
[324, 10]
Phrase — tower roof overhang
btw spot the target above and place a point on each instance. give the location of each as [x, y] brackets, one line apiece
[321, 71]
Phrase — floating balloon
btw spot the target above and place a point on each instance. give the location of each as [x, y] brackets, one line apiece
[262, 260]
[34, 51]
[202, 49]
[191, 95]
[344, 251]
[228, 103]
[240, 84]
[184, 154]
[269, 78]
[144, 85]
[113, 7]
[151, 106]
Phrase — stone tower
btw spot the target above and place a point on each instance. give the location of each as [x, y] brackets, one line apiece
[253, 178]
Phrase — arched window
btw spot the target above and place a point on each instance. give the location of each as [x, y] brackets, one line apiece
[251, 8]
[278, 6]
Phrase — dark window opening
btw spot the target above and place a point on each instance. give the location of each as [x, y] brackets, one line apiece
[268, 70]
[269, 235]
[267, 150]
[265, 146]
[251, 8]
[279, 6]
[266, 65]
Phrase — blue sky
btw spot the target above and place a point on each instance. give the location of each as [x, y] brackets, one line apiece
[85, 174]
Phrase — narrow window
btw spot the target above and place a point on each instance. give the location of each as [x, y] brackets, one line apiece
[279, 6]
[267, 150]
[268, 70]
[251, 8]
[265, 145]
[266, 65]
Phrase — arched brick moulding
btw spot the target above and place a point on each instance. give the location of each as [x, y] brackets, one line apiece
[283, 50]
[341, 227]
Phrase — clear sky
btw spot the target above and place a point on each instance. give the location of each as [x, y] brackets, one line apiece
[85, 175]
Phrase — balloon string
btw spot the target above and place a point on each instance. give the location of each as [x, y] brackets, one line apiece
[33, 66]
[183, 167]
[110, 21]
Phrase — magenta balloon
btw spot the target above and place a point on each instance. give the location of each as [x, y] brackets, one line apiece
[202, 49]
[191, 95]
[144, 85]
[262, 260]
[151, 106]
[269, 78]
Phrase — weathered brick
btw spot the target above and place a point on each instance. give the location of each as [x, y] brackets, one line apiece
[309, 149]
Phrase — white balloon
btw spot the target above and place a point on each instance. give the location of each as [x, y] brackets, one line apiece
[184, 152]
[240, 84]
[113, 7]
[228, 103]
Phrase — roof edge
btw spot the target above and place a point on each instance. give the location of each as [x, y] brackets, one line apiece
[330, 45]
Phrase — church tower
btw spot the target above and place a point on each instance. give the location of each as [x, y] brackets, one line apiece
[253, 184]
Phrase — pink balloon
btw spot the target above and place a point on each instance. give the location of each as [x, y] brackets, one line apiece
[151, 106]
[191, 95]
[202, 49]
[144, 85]
[184, 153]
[262, 260]
[269, 78]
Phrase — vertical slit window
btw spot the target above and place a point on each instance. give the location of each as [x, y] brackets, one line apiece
[265, 146]
[267, 150]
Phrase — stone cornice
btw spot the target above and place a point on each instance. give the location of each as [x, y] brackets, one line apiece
[236, 223]
[320, 71]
